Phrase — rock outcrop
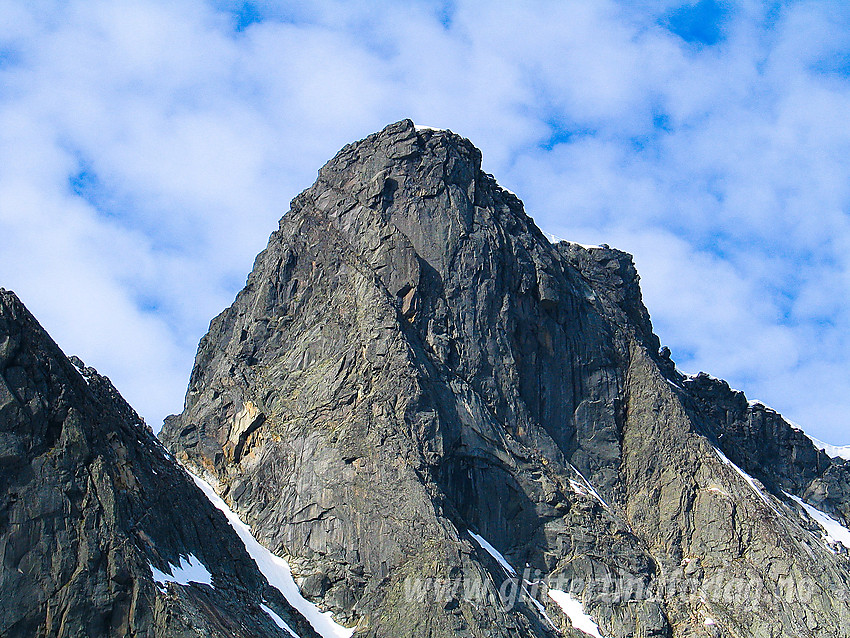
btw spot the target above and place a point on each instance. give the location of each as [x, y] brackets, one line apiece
[91, 505]
[412, 366]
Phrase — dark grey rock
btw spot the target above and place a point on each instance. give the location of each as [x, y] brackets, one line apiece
[89, 500]
[411, 358]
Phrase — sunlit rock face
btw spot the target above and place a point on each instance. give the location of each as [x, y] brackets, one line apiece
[413, 365]
[445, 423]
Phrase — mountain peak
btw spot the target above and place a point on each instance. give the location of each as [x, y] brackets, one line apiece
[374, 181]
[447, 424]
[415, 383]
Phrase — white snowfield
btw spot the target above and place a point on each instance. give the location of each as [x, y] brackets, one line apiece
[280, 622]
[575, 612]
[487, 547]
[833, 531]
[277, 572]
[572, 607]
[833, 451]
[749, 479]
[190, 570]
[80, 370]
[557, 240]
[585, 488]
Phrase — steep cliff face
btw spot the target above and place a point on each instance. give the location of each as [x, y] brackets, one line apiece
[776, 452]
[414, 379]
[95, 519]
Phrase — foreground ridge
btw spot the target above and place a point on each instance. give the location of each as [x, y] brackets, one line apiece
[414, 375]
[101, 532]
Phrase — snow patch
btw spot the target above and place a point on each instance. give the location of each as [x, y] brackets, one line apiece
[833, 531]
[833, 451]
[80, 369]
[189, 570]
[749, 479]
[578, 488]
[275, 569]
[708, 376]
[575, 612]
[420, 127]
[586, 488]
[487, 547]
[280, 622]
[709, 622]
[497, 555]
[711, 377]
[540, 608]
[557, 240]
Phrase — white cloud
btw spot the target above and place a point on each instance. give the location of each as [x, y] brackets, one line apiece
[194, 137]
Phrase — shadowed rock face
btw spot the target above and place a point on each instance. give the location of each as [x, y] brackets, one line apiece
[411, 360]
[89, 501]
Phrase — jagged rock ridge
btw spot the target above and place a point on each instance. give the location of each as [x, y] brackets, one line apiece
[90, 505]
[411, 360]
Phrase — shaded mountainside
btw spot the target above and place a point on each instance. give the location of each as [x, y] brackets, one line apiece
[415, 387]
[91, 508]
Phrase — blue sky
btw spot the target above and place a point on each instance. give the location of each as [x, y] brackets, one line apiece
[147, 150]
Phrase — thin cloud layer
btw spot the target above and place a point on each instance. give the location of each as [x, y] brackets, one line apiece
[147, 149]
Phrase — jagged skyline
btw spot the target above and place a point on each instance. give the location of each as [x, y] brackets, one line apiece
[150, 149]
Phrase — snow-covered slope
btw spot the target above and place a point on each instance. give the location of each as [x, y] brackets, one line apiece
[276, 570]
[834, 451]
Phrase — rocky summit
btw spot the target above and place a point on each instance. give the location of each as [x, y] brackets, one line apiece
[441, 422]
